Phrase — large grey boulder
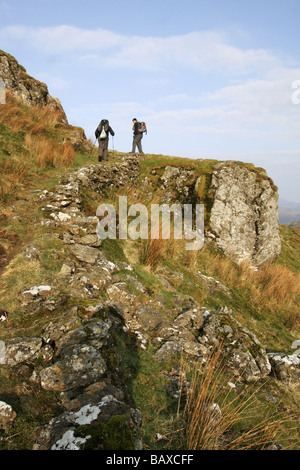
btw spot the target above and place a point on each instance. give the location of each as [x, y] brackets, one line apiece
[244, 215]
[243, 207]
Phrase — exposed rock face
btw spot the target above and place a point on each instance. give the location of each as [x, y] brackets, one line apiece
[244, 215]
[243, 219]
[178, 183]
[80, 362]
[98, 178]
[244, 355]
[27, 88]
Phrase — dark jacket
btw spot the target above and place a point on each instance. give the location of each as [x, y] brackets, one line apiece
[103, 124]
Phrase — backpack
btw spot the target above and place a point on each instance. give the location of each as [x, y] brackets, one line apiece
[103, 134]
[103, 129]
[142, 127]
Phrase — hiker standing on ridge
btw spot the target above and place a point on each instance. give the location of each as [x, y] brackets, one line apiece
[102, 134]
[137, 136]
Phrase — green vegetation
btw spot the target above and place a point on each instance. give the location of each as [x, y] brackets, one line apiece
[267, 301]
[33, 406]
[114, 435]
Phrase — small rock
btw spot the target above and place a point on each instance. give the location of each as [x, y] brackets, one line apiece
[42, 292]
[3, 315]
[148, 317]
[86, 254]
[60, 217]
[7, 416]
[60, 433]
[285, 367]
[160, 437]
[31, 253]
[66, 270]
[20, 350]
[91, 240]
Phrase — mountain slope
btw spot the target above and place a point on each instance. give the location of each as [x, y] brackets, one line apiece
[100, 339]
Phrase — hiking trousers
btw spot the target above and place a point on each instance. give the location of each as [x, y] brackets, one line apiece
[137, 142]
[103, 149]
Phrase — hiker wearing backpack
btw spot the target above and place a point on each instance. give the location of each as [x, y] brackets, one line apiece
[138, 129]
[102, 134]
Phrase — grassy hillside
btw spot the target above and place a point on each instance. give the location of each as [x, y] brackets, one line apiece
[35, 150]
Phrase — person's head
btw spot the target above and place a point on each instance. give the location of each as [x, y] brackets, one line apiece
[134, 120]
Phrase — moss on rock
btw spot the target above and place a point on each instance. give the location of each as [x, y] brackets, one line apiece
[113, 435]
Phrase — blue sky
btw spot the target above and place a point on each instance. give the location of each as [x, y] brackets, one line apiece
[211, 79]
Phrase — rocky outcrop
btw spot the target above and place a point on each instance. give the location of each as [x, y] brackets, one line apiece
[241, 205]
[241, 351]
[25, 87]
[75, 356]
[98, 178]
[244, 215]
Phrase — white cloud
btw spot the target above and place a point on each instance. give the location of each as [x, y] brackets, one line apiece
[273, 91]
[59, 39]
[205, 50]
[257, 107]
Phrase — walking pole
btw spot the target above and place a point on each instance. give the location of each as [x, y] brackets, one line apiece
[92, 148]
[113, 147]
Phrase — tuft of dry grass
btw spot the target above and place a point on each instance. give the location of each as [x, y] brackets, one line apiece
[13, 173]
[214, 417]
[273, 287]
[278, 283]
[26, 145]
[14, 115]
[45, 152]
[152, 251]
